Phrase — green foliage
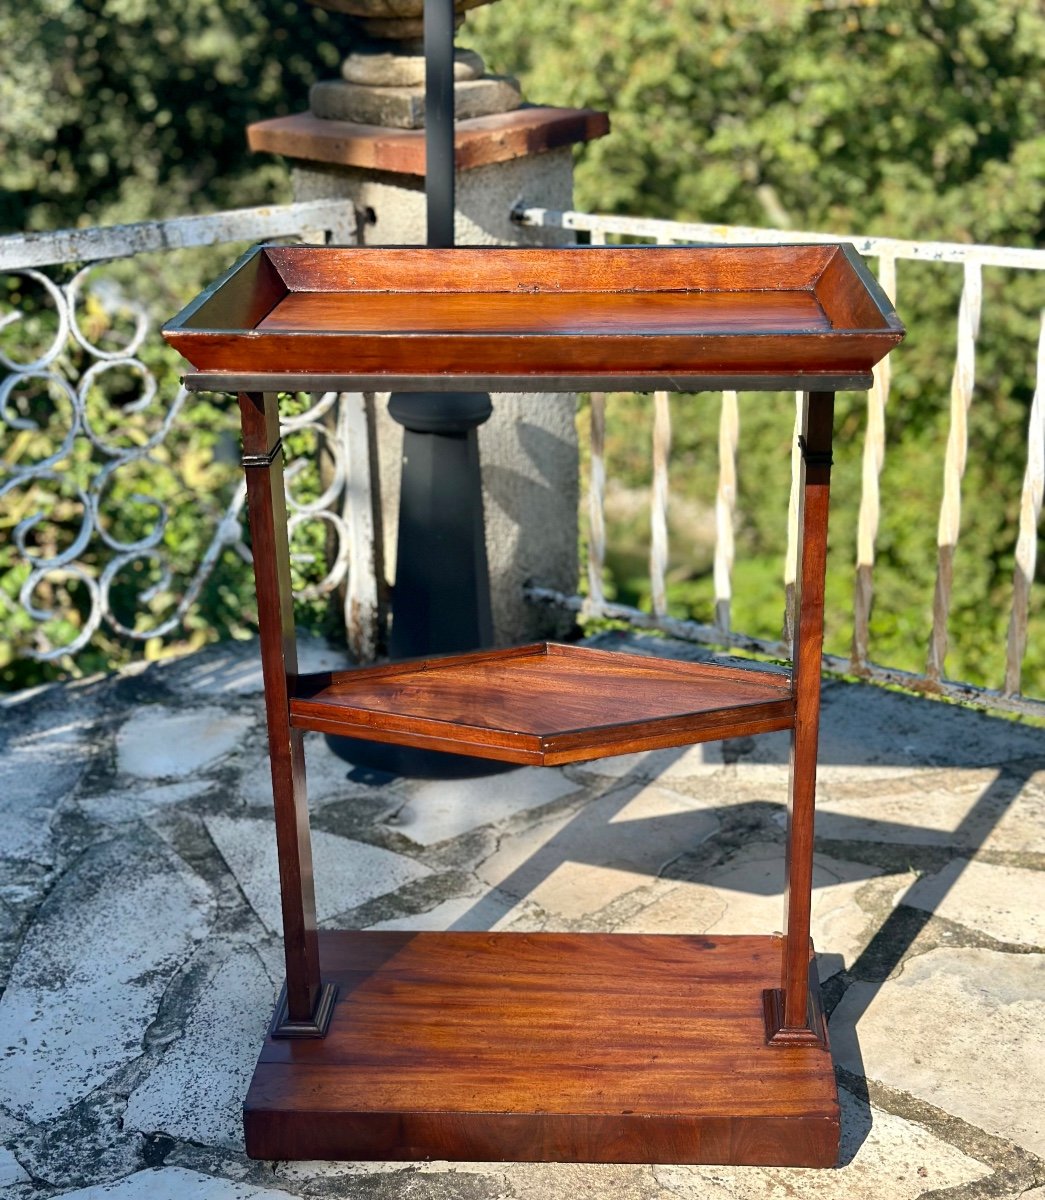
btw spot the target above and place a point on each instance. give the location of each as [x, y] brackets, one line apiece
[120, 110]
[877, 116]
[921, 121]
[909, 120]
[193, 473]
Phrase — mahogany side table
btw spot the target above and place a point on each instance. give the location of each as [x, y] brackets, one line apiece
[552, 1046]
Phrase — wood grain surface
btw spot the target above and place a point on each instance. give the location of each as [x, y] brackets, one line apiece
[545, 703]
[601, 311]
[525, 271]
[817, 425]
[266, 509]
[580, 313]
[477, 140]
[592, 1047]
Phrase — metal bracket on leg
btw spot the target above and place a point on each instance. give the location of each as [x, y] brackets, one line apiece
[283, 1027]
[815, 458]
[263, 460]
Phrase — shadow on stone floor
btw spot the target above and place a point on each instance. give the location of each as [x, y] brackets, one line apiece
[931, 840]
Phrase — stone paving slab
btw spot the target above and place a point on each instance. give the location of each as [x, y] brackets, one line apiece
[985, 810]
[11, 1170]
[93, 969]
[1007, 903]
[485, 909]
[347, 872]
[132, 803]
[883, 1155]
[44, 751]
[959, 1028]
[174, 1183]
[329, 778]
[575, 865]
[181, 1097]
[746, 894]
[160, 743]
[139, 917]
[438, 809]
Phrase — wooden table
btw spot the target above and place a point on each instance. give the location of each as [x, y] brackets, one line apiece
[554, 1046]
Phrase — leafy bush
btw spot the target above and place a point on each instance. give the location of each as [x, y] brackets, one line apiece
[881, 116]
[904, 120]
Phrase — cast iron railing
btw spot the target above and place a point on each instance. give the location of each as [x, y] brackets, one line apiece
[971, 259]
[61, 267]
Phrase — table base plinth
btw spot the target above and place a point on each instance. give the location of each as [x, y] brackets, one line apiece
[546, 1047]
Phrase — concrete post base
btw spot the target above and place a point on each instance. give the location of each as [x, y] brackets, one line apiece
[528, 448]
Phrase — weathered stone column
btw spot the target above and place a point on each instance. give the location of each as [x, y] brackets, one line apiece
[528, 448]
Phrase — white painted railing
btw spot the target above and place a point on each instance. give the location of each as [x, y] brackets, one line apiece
[71, 367]
[340, 422]
[888, 251]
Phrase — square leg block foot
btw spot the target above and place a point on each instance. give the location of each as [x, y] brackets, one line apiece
[283, 1027]
[813, 1033]
[546, 1048]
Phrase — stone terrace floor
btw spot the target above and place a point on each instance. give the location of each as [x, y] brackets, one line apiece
[140, 929]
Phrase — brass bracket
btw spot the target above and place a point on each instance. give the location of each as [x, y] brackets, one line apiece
[263, 460]
[815, 458]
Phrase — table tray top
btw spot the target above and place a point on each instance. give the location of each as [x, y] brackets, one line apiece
[540, 315]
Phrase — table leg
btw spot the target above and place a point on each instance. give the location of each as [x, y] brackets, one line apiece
[306, 1003]
[793, 1011]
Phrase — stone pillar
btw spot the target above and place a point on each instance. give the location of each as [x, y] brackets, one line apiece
[528, 448]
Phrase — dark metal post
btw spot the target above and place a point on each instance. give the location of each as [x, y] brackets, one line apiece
[441, 601]
[442, 583]
[439, 121]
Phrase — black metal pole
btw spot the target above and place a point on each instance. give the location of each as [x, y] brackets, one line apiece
[439, 121]
[441, 600]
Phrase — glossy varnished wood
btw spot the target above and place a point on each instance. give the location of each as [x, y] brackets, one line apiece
[561, 1047]
[477, 140]
[544, 704]
[814, 495]
[533, 1047]
[266, 509]
[603, 311]
[524, 271]
[565, 312]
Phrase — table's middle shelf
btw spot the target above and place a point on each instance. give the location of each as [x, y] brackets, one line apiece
[544, 704]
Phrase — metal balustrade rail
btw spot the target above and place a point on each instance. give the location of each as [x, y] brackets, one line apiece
[888, 251]
[339, 423]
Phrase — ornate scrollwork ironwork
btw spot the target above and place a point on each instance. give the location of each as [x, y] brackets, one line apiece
[81, 458]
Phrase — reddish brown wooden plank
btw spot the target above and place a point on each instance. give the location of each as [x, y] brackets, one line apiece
[546, 694]
[266, 507]
[814, 495]
[527, 271]
[527, 706]
[754, 352]
[573, 312]
[849, 306]
[750, 672]
[477, 141]
[243, 298]
[517, 312]
[754, 1141]
[587, 656]
[730, 1083]
[548, 751]
[598, 1047]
